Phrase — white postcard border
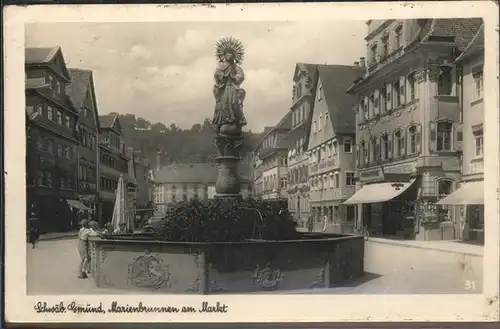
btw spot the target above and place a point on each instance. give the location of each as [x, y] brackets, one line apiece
[264, 308]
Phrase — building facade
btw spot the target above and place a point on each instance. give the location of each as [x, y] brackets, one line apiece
[332, 140]
[51, 150]
[303, 96]
[180, 182]
[468, 200]
[113, 164]
[82, 93]
[272, 162]
[409, 126]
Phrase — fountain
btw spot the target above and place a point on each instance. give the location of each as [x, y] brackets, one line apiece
[225, 245]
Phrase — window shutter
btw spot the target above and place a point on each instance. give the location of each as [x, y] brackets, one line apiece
[418, 138]
[458, 136]
[432, 136]
[389, 145]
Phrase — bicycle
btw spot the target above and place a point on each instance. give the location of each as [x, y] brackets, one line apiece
[364, 232]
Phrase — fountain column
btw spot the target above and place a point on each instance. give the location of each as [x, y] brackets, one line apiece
[228, 158]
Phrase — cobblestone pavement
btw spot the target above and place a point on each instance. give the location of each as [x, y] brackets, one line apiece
[52, 269]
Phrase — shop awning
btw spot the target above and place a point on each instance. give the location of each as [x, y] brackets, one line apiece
[77, 204]
[379, 192]
[469, 193]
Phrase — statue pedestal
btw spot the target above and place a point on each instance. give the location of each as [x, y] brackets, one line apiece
[228, 157]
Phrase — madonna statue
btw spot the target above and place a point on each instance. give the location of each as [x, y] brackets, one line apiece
[228, 117]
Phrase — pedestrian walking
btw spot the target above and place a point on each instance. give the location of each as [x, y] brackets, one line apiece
[33, 230]
[83, 248]
[325, 222]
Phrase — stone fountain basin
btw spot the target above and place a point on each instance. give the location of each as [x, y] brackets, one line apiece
[142, 265]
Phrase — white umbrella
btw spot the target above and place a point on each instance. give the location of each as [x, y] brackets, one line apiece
[119, 214]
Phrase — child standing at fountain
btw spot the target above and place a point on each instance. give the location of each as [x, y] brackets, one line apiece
[83, 247]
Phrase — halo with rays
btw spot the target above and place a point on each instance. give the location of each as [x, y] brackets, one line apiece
[232, 46]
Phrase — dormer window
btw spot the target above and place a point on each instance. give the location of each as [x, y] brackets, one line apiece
[299, 90]
[320, 92]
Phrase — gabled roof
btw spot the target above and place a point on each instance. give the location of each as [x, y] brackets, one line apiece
[335, 80]
[79, 86]
[44, 55]
[39, 55]
[82, 83]
[475, 46]
[284, 124]
[107, 121]
[305, 67]
[190, 173]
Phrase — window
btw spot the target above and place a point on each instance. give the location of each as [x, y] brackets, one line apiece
[444, 187]
[399, 140]
[411, 86]
[478, 85]
[478, 137]
[373, 54]
[350, 213]
[50, 146]
[50, 80]
[372, 105]
[347, 145]
[39, 109]
[39, 143]
[397, 94]
[337, 179]
[59, 150]
[66, 151]
[385, 146]
[374, 150]
[320, 122]
[58, 87]
[41, 178]
[383, 99]
[364, 153]
[320, 92]
[67, 121]
[385, 45]
[59, 117]
[349, 178]
[412, 131]
[444, 82]
[399, 36]
[299, 90]
[444, 130]
[315, 127]
[50, 113]
[283, 182]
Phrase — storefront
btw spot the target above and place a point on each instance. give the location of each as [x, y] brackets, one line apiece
[387, 208]
[468, 201]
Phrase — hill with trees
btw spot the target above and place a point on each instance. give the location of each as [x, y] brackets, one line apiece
[176, 144]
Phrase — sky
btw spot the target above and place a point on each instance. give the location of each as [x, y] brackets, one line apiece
[163, 72]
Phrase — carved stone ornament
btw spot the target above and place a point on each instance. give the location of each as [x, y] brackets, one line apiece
[433, 72]
[419, 75]
[267, 278]
[147, 271]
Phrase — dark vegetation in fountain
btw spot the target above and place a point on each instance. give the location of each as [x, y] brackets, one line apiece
[220, 220]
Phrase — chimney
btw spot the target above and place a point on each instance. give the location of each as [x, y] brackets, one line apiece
[362, 62]
[158, 160]
[356, 64]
